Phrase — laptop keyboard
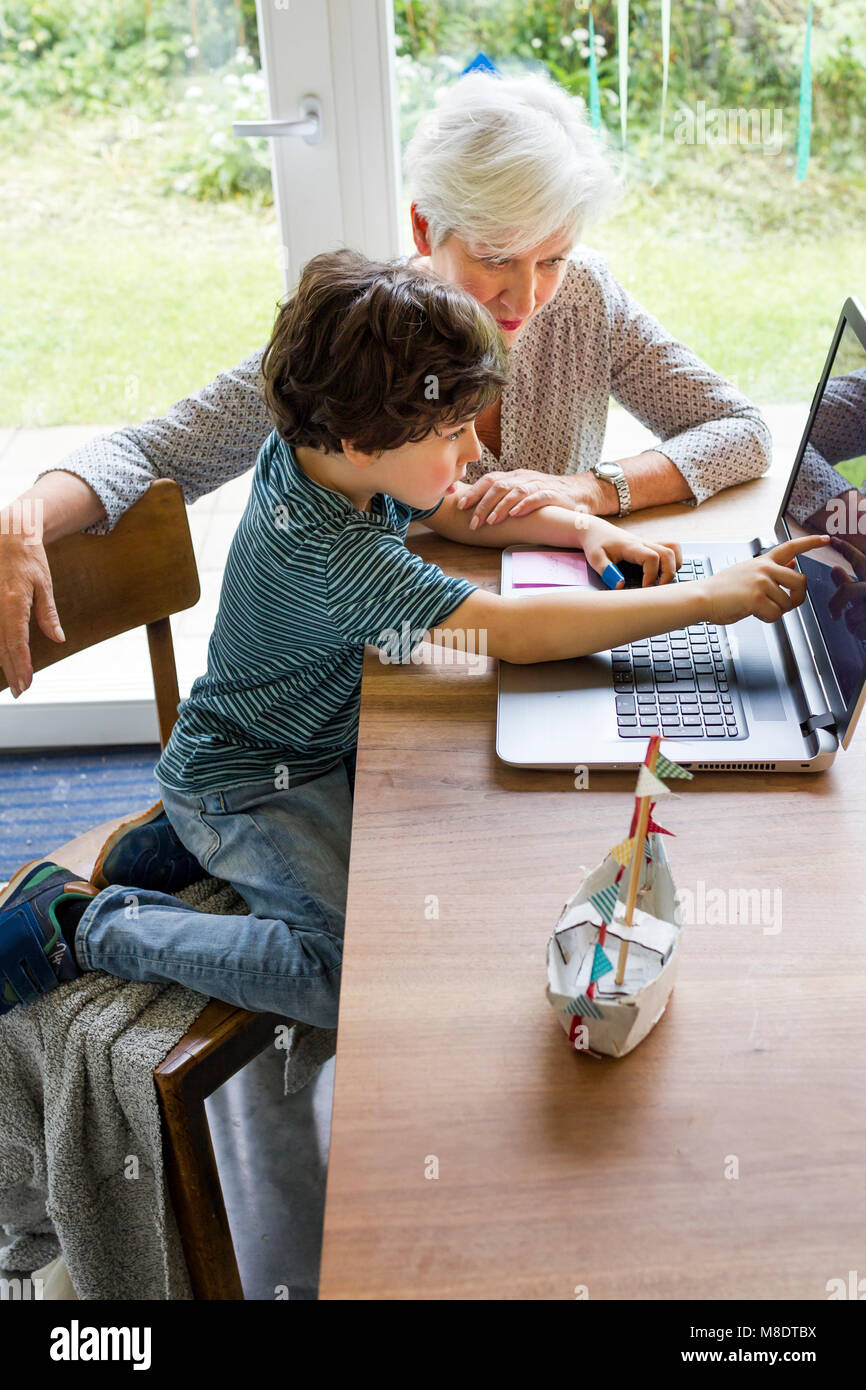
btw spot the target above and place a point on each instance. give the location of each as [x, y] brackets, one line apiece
[680, 684]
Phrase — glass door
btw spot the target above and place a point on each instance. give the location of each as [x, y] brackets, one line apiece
[139, 256]
[152, 221]
[337, 184]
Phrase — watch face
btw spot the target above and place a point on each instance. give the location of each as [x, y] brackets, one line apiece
[609, 470]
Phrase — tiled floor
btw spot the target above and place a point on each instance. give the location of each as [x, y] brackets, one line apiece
[272, 1154]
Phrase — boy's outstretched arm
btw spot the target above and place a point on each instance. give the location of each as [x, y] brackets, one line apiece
[551, 626]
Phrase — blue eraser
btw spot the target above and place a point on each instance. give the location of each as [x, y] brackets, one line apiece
[612, 576]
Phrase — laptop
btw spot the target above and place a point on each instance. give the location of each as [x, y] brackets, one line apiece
[751, 696]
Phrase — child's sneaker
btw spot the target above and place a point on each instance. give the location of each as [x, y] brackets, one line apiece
[35, 956]
[146, 853]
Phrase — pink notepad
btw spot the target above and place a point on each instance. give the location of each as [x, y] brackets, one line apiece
[547, 569]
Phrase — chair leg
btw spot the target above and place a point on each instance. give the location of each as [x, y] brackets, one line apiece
[164, 676]
[221, 1041]
[197, 1199]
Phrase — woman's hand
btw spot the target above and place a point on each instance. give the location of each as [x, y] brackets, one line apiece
[497, 496]
[604, 544]
[25, 584]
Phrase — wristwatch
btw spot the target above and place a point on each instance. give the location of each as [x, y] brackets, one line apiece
[612, 473]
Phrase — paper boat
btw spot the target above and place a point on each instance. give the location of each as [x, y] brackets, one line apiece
[585, 955]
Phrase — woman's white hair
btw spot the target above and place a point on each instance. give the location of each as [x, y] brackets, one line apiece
[508, 162]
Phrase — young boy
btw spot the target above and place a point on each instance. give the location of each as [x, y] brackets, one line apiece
[374, 375]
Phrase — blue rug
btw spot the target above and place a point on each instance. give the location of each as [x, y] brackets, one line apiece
[49, 798]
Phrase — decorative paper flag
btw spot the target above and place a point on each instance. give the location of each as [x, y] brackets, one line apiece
[666, 56]
[594, 99]
[656, 828]
[623, 852]
[604, 901]
[666, 768]
[481, 63]
[583, 1005]
[804, 132]
[601, 965]
[649, 785]
[622, 46]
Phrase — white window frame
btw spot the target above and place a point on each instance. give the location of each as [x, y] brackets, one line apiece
[343, 190]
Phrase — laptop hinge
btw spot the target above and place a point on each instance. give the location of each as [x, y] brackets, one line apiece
[818, 721]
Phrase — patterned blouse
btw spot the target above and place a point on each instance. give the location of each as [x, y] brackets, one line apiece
[591, 341]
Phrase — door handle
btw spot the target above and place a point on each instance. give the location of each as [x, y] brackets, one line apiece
[308, 127]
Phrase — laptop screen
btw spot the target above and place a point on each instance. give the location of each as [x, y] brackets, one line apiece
[828, 494]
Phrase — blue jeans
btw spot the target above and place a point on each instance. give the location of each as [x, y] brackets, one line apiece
[287, 854]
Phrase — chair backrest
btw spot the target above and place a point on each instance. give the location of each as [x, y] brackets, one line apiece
[136, 575]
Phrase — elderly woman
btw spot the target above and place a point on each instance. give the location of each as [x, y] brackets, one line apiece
[503, 176]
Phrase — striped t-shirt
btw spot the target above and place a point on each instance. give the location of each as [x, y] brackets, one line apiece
[309, 580]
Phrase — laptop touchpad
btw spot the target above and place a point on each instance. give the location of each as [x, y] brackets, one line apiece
[755, 670]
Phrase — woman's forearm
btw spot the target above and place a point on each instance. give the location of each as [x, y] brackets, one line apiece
[58, 504]
[653, 480]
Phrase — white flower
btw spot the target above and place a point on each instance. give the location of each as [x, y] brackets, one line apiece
[567, 41]
[240, 103]
[580, 34]
[219, 140]
[206, 108]
[231, 79]
[252, 80]
[584, 51]
[27, 45]
[536, 43]
[191, 51]
[181, 185]
[191, 93]
[242, 55]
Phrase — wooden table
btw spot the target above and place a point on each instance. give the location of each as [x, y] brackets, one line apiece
[559, 1173]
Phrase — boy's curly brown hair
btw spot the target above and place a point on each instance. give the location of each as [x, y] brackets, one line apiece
[377, 353]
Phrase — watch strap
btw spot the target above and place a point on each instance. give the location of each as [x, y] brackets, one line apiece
[619, 481]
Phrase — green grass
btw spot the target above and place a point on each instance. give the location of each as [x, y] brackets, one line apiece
[744, 265]
[119, 300]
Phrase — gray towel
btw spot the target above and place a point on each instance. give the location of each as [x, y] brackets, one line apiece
[81, 1169]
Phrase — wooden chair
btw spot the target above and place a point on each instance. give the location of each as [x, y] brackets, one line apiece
[140, 573]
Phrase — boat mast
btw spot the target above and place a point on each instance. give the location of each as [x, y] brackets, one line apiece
[642, 812]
